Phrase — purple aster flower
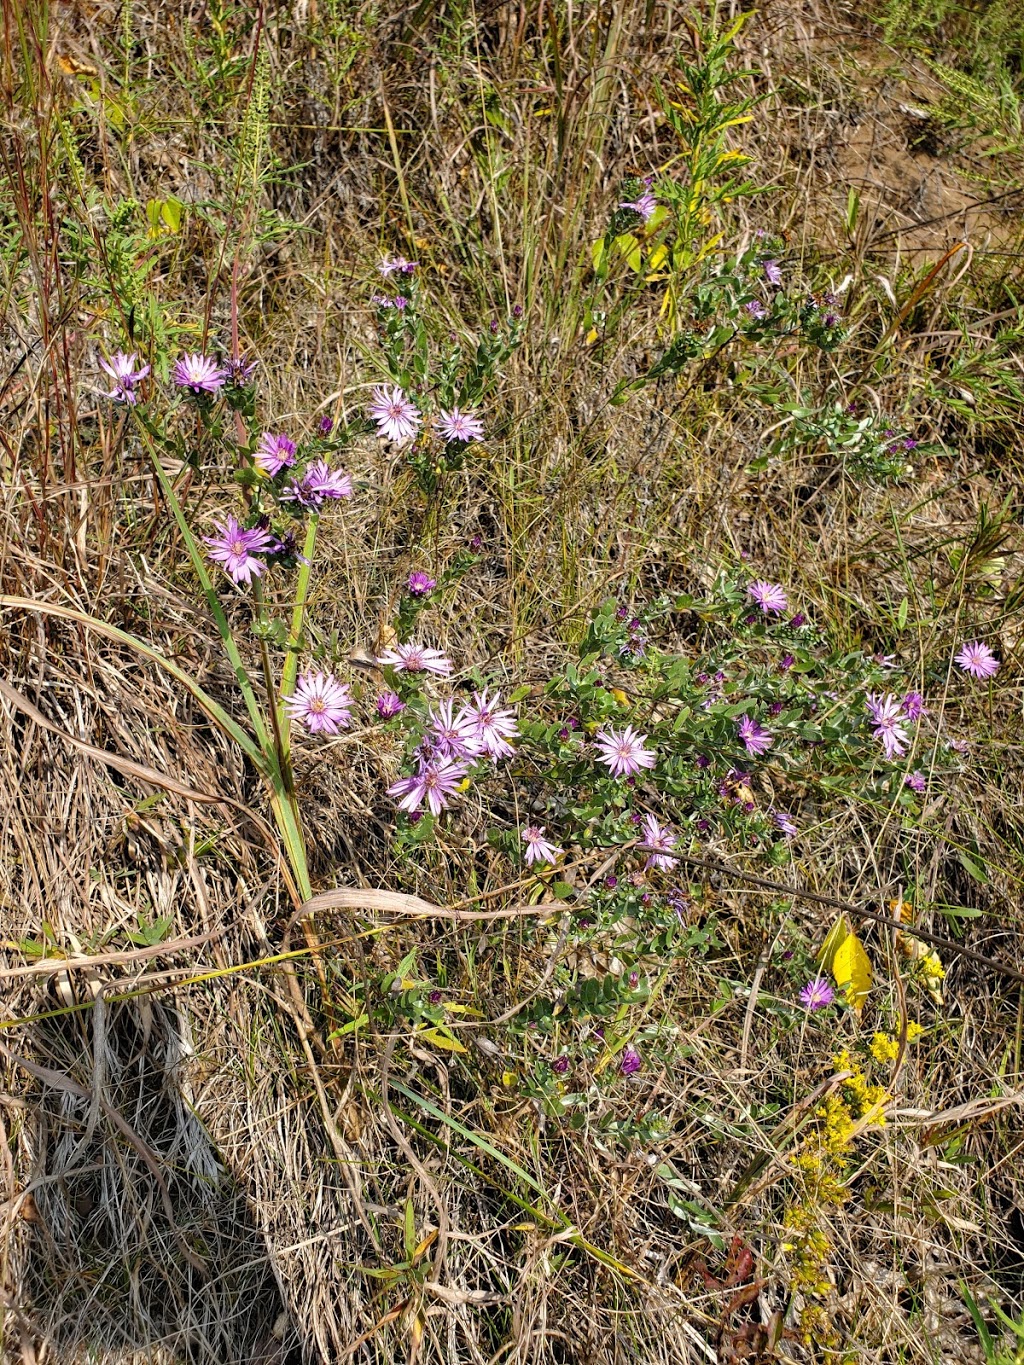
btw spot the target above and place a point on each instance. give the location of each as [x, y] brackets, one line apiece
[887, 715]
[755, 738]
[560, 1065]
[538, 850]
[273, 453]
[798, 620]
[643, 206]
[318, 484]
[122, 371]
[913, 706]
[786, 663]
[199, 374]
[623, 751]
[325, 426]
[321, 703]
[630, 1062]
[817, 994]
[495, 726]
[234, 548]
[460, 426]
[434, 783]
[916, 782]
[415, 659]
[397, 417]
[389, 705]
[240, 371]
[785, 823]
[755, 309]
[396, 264]
[977, 660]
[451, 735]
[420, 584]
[658, 841]
[768, 596]
[772, 273]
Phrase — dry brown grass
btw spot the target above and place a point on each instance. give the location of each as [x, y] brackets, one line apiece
[190, 1172]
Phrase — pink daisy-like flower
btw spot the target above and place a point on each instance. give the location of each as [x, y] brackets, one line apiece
[658, 841]
[772, 273]
[495, 725]
[630, 1062]
[415, 659]
[389, 705]
[122, 371]
[318, 484]
[199, 374]
[453, 735]
[887, 715]
[916, 782]
[323, 482]
[623, 751]
[643, 205]
[434, 783]
[538, 850]
[397, 417]
[817, 994]
[768, 596]
[241, 370]
[420, 584]
[913, 706]
[273, 453]
[396, 265]
[977, 660]
[234, 548]
[785, 823]
[460, 426]
[321, 703]
[755, 738]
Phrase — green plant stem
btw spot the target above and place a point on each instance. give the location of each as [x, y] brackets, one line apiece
[210, 593]
[275, 765]
[291, 662]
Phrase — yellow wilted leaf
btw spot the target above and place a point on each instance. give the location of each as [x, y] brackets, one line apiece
[851, 968]
[441, 1040]
[834, 937]
[620, 696]
[591, 336]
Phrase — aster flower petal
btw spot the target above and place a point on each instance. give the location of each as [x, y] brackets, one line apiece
[273, 453]
[396, 416]
[321, 703]
[235, 549]
[453, 735]
[199, 374]
[623, 751]
[817, 994]
[121, 369]
[770, 597]
[460, 426]
[413, 658]
[754, 737]
[495, 725]
[435, 781]
[538, 849]
[977, 659]
[658, 841]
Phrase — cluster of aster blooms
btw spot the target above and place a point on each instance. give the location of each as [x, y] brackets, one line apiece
[290, 479]
[394, 411]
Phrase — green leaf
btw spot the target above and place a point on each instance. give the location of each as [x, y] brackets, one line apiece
[976, 869]
[901, 615]
[565, 891]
